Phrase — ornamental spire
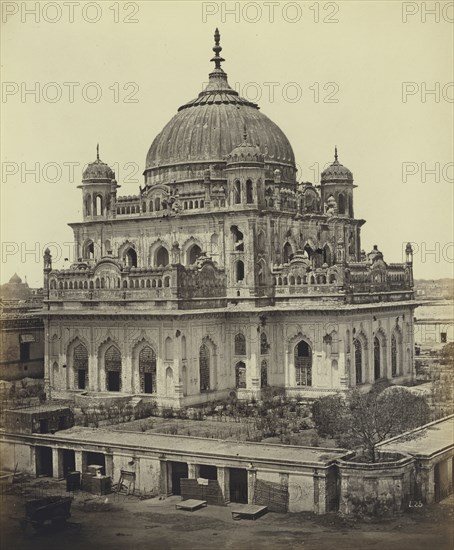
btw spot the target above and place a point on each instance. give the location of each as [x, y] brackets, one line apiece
[335, 153]
[217, 49]
[97, 151]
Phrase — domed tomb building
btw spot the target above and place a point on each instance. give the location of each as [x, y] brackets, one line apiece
[224, 273]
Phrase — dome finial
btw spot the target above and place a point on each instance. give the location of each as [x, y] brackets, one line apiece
[217, 49]
[335, 153]
[97, 151]
[244, 132]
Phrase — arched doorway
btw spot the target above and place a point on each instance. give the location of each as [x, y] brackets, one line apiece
[193, 253]
[303, 364]
[130, 258]
[80, 366]
[147, 370]
[112, 365]
[162, 257]
[240, 375]
[358, 361]
[377, 359]
[204, 367]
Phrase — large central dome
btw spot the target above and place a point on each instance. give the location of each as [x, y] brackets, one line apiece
[206, 129]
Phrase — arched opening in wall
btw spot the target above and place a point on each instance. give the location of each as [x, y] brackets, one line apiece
[377, 358]
[112, 365]
[303, 364]
[157, 204]
[130, 258]
[240, 344]
[249, 192]
[309, 252]
[393, 355]
[264, 346]
[88, 205]
[341, 203]
[144, 207]
[287, 253]
[169, 382]
[237, 192]
[239, 271]
[80, 366]
[151, 207]
[168, 349]
[193, 253]
[162, 257]
[238, 239]
[147, 370]
[204, 367]
[89, 250]
[264, 374]
[327, 256]
[98, 206]
[240, 375]
[183, 347]
[350, 206]
[358, 361]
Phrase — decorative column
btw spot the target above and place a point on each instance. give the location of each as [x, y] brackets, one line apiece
[164, 477]
[319, 492]
[253, 370]
[224, 482]
[251, 479]
[193, 471]
[57, 463]
[80, 461]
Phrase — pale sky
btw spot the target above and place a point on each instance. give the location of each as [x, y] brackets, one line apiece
[364, 61]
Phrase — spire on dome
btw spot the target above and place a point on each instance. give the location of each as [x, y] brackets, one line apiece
[244, 133]
[97, 151]
[335, 153]
[217, 49]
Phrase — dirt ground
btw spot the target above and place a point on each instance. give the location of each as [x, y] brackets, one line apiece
[120, 521]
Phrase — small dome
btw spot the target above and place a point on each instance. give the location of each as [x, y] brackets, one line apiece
[375, 254]
[15, 279]
[336, 172]
[98, 171]
[245, 152]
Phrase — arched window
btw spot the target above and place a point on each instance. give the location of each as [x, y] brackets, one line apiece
[240, 375]
[157, 204]
[264, 374]
[112, 365]
[237, 192]
[162, 257]
[264, 347]
[88, 205]
[80, 366]
[168, 349]
[193, 253]
[377, 359]
[238, 239]
[130, 258]
[98, 206]
[183, 347]
[239, 271]
[147, 370]
[144, 207]
[89, 250]
[249, 192]
[204, 367]
[303, 364]
[151, 208]
[287, 253]
[240, 344]
[393, 355]
[347, 341]
[358, 361]
[341, 203]
[327, 258]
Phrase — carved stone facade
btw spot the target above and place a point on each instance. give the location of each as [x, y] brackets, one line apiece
[223, 245]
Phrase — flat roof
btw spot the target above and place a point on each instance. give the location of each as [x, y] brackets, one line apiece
[199, 446]
[38, 409]
[425, 441]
